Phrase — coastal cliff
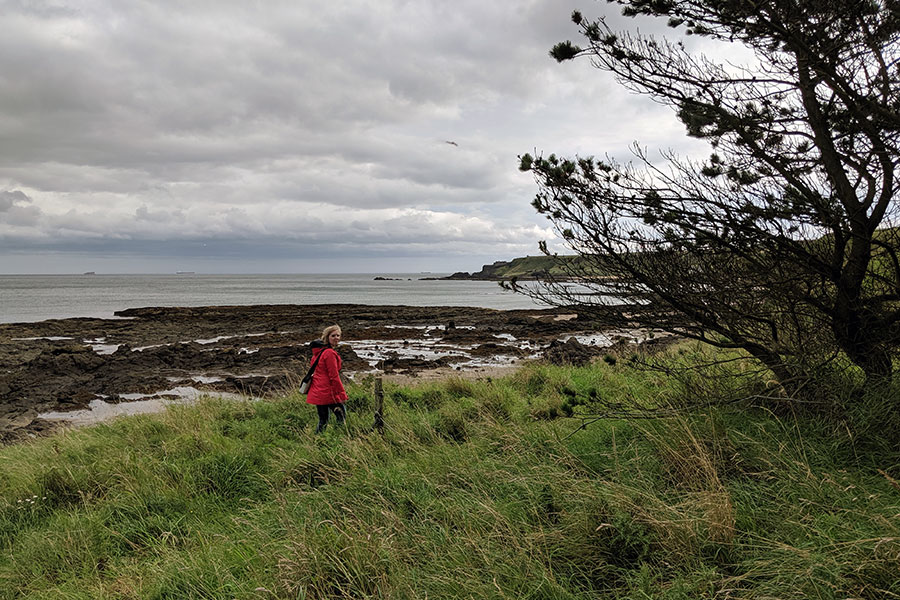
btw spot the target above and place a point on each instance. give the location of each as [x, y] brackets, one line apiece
[523, 268]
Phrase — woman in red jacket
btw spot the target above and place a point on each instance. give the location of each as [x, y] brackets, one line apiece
[326, 390]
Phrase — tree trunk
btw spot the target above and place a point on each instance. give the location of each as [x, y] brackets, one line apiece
[785, 377]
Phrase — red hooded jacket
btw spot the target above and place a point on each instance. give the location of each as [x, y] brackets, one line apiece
[326, 386]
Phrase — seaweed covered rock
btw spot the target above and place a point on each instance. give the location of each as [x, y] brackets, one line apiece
[570, 352]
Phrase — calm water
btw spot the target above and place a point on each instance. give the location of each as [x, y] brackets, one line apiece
[39, 297]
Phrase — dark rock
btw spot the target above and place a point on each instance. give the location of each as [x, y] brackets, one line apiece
[79, 399]
[458, 334]
[262, 349]
[570, 352]
[495, 349]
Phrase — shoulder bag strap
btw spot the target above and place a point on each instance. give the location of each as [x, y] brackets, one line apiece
[312, 369]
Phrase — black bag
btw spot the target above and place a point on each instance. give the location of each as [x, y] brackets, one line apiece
[307, 379]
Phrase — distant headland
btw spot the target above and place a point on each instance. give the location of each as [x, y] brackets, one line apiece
[523, 268]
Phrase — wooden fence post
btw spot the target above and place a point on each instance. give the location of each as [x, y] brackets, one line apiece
[379, 406]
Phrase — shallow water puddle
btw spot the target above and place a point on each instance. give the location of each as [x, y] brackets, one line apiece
[142, 348]
[214, 340]
[374, 351]
[100, 410]
[105, 348]
[594, 339]
[100, 346]
[205, 379]
[498, 360]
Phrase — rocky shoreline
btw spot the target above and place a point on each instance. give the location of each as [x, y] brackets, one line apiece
[62, 365]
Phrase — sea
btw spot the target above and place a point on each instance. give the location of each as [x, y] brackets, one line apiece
[30, 298]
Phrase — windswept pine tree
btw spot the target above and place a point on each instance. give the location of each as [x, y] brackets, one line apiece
[784, 242]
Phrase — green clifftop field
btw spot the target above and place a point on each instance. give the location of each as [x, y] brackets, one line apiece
[477, 489]
[526, 267]
[537, 267]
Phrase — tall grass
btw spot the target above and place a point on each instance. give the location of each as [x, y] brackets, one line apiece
[478, 489]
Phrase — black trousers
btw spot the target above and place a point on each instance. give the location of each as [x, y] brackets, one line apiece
[325, 410]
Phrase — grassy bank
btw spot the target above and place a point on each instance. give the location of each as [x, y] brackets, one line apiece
[476, 490]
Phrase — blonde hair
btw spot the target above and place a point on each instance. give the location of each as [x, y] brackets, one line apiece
[328, 331]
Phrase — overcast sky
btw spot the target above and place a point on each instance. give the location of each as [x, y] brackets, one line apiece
[292, 137]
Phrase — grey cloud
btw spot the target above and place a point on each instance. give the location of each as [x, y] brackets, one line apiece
[160, 126]
[17, 210]
[12, 197]
[143, 213]
[22, 216]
